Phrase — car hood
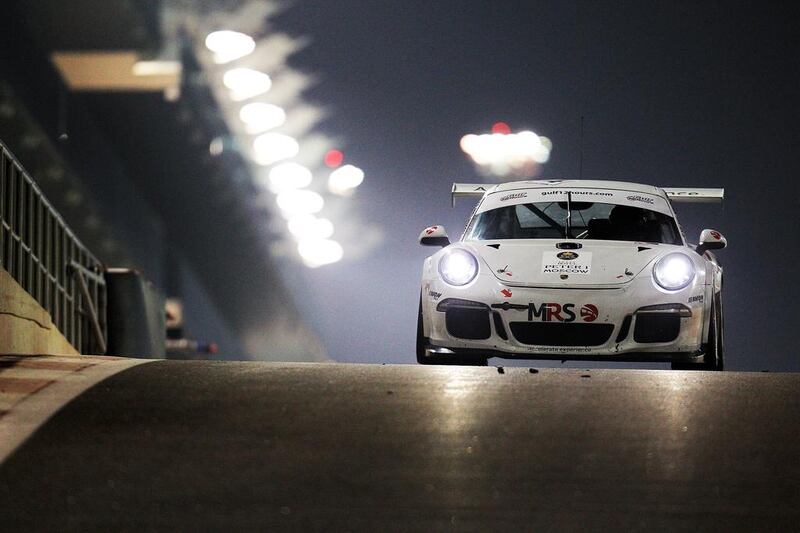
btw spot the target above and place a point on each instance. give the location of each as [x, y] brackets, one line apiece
[543, 263]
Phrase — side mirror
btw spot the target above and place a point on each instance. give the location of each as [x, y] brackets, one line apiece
[711, 240]
[434, 236]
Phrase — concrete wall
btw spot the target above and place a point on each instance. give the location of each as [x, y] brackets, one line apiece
[25, 327]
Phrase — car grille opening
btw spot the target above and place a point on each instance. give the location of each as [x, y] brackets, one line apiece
[499, 327]
[624, 329]
[559, 334]
[656, 327]
[468, 323]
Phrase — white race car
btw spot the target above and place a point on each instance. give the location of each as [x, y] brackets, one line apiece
[573, 269]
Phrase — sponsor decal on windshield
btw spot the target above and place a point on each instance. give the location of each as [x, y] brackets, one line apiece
[578, 193]
[514, 196]
[634, 198]
[537, 194]
[566, 263]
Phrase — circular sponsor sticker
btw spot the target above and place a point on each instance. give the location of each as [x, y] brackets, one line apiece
[567, 256]
[589, 313]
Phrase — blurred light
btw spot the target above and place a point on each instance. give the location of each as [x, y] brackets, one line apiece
[55, 173]
[501, 127]
[305, 227]
[514, 154]
[334, 158]
[287, 176]
[73, 197]
[273, 147]
[318, 252]
[245, 83]
[300, 202]
[216, 146]
[172, 93]
[345, 179]
[92, 222]
[109, 244]
[157, 68]
[229, 45]
[259, 116]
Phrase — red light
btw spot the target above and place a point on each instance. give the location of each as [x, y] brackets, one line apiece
[334, 158]
[501, 127]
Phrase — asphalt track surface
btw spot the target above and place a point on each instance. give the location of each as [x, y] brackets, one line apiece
[233, 446]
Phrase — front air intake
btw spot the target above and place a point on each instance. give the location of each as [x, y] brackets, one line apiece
[468, 323]
[656, 327]
[557, 334]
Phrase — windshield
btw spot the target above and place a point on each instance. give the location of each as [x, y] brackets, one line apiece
[579, 220]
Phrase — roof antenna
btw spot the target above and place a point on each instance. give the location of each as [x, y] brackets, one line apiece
[580, 165]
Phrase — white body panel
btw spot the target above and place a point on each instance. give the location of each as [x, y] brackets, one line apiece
[521, 281]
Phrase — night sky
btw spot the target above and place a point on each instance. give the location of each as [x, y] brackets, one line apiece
[673, 94]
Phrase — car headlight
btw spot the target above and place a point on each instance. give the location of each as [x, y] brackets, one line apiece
[458, 267]
[674, 271]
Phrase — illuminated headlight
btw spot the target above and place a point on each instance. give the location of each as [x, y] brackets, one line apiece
[458, 267]
[674, 271]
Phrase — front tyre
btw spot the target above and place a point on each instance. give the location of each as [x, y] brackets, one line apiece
[433, 359]
[713, 358]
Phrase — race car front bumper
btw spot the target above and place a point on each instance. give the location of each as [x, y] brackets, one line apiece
[627, 323]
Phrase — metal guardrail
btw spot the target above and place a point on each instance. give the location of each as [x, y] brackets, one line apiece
[41, 253]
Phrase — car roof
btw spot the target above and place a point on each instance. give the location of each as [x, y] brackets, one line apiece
[589, 184]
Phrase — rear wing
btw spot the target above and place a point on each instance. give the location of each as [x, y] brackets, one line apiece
[706, 196]
[461, 190]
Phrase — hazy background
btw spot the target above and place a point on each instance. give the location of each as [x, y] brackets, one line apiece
[696, 94]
